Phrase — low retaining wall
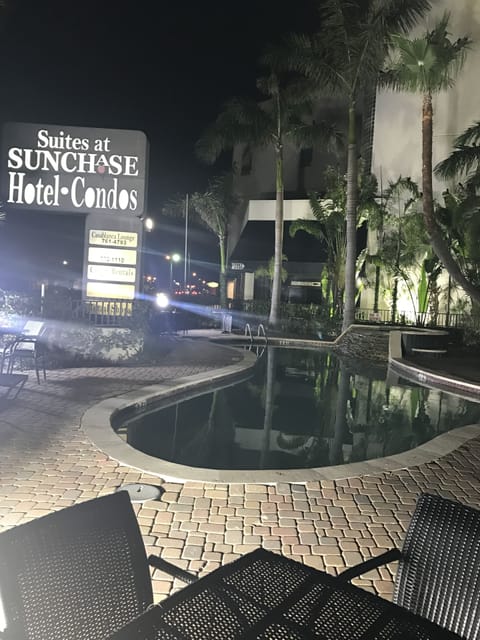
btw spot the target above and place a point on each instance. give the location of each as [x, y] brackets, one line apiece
[80, 343]
[365, 343]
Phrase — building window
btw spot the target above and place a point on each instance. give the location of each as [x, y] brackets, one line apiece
[306, 157]
[246, 168]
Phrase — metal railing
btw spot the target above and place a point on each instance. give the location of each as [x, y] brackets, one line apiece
[111, 313]
[259, 349]
[441, 319]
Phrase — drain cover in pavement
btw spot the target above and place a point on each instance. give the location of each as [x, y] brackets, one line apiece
[141, 492]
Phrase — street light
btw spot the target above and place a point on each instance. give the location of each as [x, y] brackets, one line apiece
[172, 258]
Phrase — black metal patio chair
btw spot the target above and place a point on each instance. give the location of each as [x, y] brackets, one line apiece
[80, 573]
[26, 347]
[13, 383]
[438, 574]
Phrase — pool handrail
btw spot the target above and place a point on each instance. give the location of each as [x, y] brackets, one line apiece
[261, 332]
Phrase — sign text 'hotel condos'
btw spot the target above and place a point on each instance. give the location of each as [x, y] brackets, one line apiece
[73, 169]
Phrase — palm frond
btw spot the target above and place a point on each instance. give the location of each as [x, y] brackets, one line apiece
[401, 186]
[269, 85]
[174, 208]
[215, 207]
[399, 16]
[317, 57]
[427, 64]
[462, 160]
[471, 135]
[240, 120]
[312, 227]
[327, 134]
[468, 208]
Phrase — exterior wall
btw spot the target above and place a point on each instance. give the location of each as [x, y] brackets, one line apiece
[398, 144]
[264, 210]
[397, 137]
[260, 181]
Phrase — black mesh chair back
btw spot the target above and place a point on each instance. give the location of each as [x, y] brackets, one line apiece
[439, 574]
[78, 574]
[28, 347]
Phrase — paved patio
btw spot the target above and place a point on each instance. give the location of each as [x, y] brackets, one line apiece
[47, 463]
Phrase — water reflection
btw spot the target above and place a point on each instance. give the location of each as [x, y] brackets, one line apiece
[300, 409]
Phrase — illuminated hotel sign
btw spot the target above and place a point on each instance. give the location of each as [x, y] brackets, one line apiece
[73, 169]
[112, 258]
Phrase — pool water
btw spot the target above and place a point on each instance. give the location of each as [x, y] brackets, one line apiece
[300, 409]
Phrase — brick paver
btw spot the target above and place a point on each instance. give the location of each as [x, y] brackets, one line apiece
[47, 463]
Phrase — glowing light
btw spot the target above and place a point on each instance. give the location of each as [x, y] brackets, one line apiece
[212, 285]
[162, 300]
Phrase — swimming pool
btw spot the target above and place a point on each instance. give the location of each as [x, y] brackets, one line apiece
[300, 409]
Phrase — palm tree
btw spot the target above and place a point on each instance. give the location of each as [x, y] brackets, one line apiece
[346, 57]
[429, 64]
[215, 208]
[462, 205]
[269, 270]
[269, 124]
[329, 226]
[400, 248]
[460, 221]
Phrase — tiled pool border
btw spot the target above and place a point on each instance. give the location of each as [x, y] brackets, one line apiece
[98, 420]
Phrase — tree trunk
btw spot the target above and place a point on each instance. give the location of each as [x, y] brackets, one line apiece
[377, 289]
[274, 318]
[434, 232]
[394, 299]
[223, 272]
[269, 407]
[351, 233]
[340, 427]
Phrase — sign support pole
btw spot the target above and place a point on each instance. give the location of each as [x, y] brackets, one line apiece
[185, 257]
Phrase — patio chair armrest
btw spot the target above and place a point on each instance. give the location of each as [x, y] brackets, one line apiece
[384, 558]
[171, 569]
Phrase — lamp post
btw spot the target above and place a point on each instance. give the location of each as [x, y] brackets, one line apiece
[172, 258]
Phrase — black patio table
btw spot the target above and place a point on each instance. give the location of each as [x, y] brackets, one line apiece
[267, 596]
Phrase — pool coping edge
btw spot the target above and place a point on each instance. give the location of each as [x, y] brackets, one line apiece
[97, 423]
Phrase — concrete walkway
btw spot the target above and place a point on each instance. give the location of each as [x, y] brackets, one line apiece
[47, 462]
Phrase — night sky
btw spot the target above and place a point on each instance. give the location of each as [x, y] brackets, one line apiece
[162, 67]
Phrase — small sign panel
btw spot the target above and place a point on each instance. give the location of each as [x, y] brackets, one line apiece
[113, 238]
[110, 291]
[68, 169]
[238, 266]
[112, 274]
[111, 256]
